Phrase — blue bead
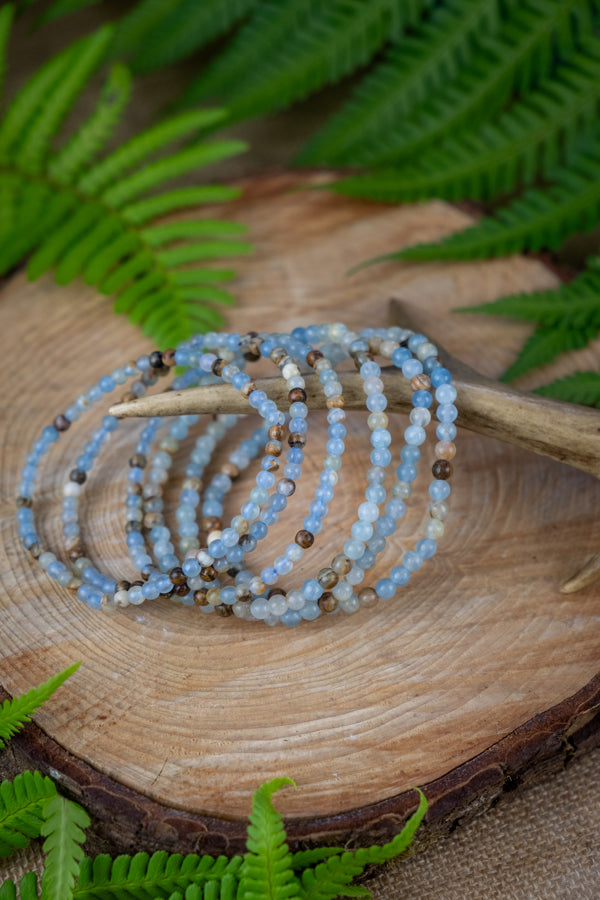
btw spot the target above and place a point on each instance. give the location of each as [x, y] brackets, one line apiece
[106, 384]
[258, 530]
[440, 376]
[239, 380]
[369, 369]
[191, 567]
[439, 490]
[376, 402]
[298, 426]
[410, 454]
[415, 341]
[295, 455]
[337, 430]
[426, 548]
[446, 431]
[400, 356]
[216, 549]
[269, 575]
[411, 367]
[385, 526]
[311, 589]
[380, 456]
[336, 446]
[291, 618]
[310, 611]
[406, 472]
[400, 575]
[447, 412]
[412, 561]
[312, 524]
[422, 399]
[381, 437]
[385, 588]
[414, 434]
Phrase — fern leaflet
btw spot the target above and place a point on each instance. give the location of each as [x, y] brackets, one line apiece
[16, 712]
[158, 32]
[522, 52]
[272, 62]
[21, 809]
[532, 137]
[83, 216]
[28, 888]
[579, 387]
[267, 872]
[422, 62]
[63, 827]
[144, 876]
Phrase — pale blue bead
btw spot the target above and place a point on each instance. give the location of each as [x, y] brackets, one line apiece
[256, 398]
[412, 561]
[258, 530]
[361, 531]
[354, 549]
[216, 549]
[335, 446]
[291, 618]
[395, 508]
[250, 510]
[269, 517]
[380, 456]
[410, 454]
[328, 477]
[295, 455]
[368, 511]
[191, 567]
[228, 595]
[385, 525]
[259, 607]
[188, 529]
[310, 611]
[240, 379]
[312, 524]
[235, 554]
[282, 565]
[439, 490]
[375, 493]
[367, 560]
[447, 412]
[376, 475]
[376, 543]
[298, 426]
[385, 588]
[298, 410]
[150, 591]
[446, 431]
[376, 402]
[411, 367]
[318, 508]
[311, 590]
[324, 492]
[278, 502]
[381, 437]
[414, 434]
[446, 393]
[406, 472]
[370, 369]
[426, 547]
[106, 384]
[400, 575]
[292, 471]
[337, 430]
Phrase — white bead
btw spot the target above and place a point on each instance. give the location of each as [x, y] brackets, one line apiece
[351, 605]
[425, 350]
[295, 600]
[388, 347]
[71, 489]
[420, 416]
[434, 529]
[290, 370]
[342, 590]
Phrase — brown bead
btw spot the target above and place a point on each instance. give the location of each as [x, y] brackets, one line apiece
[273, 448]
[445, 450]
[192, 483]
[312, 356]
[152, 519]
[24, 502]
[297, 395]
[131, 526]
[210, 523]
[181, 590]
[286, 486]
[123, 585]
[168, 357]
[327, 602]
[218, 366]
[276, 592]
[441, 469]
[200, 597]
[208, 573]
[278, 354]
[251, 353]
[177, 575]
[134, 488]
[138, 460]
[297, 440]
[127, 397]
[61, 423]
[77, 475]
[277, 432]
[341, 564]
[35, 550]
[327, 578]
[367, 597]
[156, 359]
[304, 538]
[76, 551]
[231, 470]
[420, 382]
[335, 403]
[223, 610]
[245, 539]
[247, 389]
[272, 465]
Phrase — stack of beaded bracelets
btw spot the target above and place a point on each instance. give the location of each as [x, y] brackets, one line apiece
[213, 572]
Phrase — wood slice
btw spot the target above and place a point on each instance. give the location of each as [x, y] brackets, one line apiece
[477, 676]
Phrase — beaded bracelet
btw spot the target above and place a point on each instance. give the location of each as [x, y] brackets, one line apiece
[212, 571]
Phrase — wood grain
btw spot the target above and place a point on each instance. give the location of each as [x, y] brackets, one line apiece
[186, 714]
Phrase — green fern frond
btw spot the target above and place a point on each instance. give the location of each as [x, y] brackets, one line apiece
[16, 712]
[579, 387]
[413, 70]
[158, 32]
[22, 804]
[159, 875]
[6, 17]
[517, 58]
[28, 888]
[530, 139]
[91, 219]
[93, 134]
[63, 7]
[63, 828]
[545, 344]
[272, 62]
[333, 878]
[266, 872]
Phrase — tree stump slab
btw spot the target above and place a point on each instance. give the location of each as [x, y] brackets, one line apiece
[478, 676]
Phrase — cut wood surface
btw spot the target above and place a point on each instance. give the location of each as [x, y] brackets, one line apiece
[477, 671]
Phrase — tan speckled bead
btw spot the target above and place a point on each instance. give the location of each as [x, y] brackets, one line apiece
[327, 602]
[304, 538]
[327, 578]
[420, 382]
[341, 564]
[442, 469]
[367, 597]
[445, 450]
